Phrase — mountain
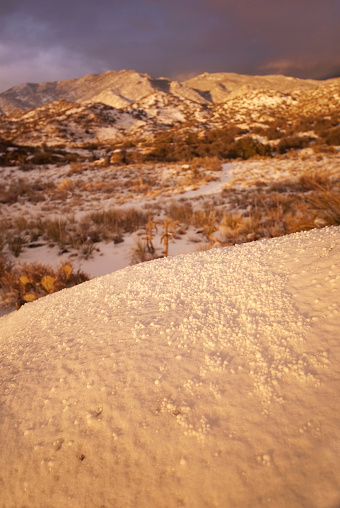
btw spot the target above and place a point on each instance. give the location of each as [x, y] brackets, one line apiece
[121, 88]
[114, 105]
[225, 85]
[205, 380]
[116, 89]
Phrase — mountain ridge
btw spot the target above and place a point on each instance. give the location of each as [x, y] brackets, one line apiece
[115, 105]
[121, 88]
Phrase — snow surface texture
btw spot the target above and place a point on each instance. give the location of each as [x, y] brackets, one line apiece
[209, 379]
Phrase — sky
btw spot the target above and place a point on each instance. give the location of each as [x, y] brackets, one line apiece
[44, 40]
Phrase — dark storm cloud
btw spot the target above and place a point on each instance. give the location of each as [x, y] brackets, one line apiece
[45, 40]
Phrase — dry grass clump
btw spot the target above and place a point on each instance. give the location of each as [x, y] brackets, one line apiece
[44, 157]
[30, 281]
[237, 228]
[140, 252]
[23, 189]
[192, 176]
[139, 185]
[293, 143]
[86, 248]
[114, 219]
[207, 220]
[234, 228]
[331, 136]
[55, 230]
[66, 185]
[207, 163]
[77, 167]
[15, 244]
[306, 182]
[313, 181]
[181, 212]
[326, 206]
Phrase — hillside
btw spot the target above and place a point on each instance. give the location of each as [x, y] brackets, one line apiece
[114, 106]
[211, 379]
[224, 85]
[113, 88]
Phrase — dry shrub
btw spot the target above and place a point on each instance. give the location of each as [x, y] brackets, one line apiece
[86, 249]
[236, 228]
[183, 213]
[44, 157]
[309, 181]
[324, 149]
[22, 188]
[55, 230]
[332, 136]
[207, 163]
[292, 143]
[207, 220]
[326, 206]
[114, 219]
[96, 186]
[30, 281]
[76, 167]
[140, 252]
[15, 244]
[66, 185]
[5, 265]
[20, 223]
[192, 177]
[138, 185]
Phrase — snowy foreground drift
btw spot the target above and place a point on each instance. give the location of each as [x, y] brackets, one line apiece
[205, 380]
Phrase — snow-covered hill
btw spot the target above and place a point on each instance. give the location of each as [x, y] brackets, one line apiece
[116, 89]
[224, 85]
[126, 104]
[204, 380]
[121, 88]
[36, 113]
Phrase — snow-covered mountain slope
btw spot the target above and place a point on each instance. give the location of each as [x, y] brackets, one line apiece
[266, 105]
[119, 89]
[128, 85]
[60, 122]
[170, 110]
[204, 380]
[222, 86]
[120, 104]
[116, 89]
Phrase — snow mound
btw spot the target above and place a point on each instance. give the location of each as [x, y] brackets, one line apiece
[209, 379]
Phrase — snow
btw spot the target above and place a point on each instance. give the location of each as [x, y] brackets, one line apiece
[209, 379]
